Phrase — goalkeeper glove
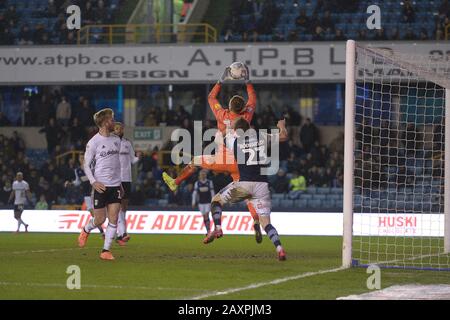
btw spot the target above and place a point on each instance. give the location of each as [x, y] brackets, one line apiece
[247, 75]
[225, 75]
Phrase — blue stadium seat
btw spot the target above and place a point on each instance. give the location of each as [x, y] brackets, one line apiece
[319, 196]
[287, 203]
[276, 202]
[306, 196]
[311, 190]
[315, 204]
[334, 196]
[323, 190]
[337, 191]
[278, 196]
[301, 204]
[328, 204]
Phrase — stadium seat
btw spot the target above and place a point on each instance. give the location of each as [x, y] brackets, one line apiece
[301, 204]
[334, 197]
[311, 190]
[305, 196]
[328, 204]
[314, 204]
[287, 203]
[278, 196]
[163, 202]
[319, 196]
[337, 191]
[323, 190]
[276, 202]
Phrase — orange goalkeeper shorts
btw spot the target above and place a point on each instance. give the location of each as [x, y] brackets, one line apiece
[222, 161]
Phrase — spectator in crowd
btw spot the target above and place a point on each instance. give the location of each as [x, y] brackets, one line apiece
[63, 112]
[85, 113]
[380, 35]
[77, 134]
[318, 34]
[42, 203]
[11, 15]
[297, 185]
[17, 142]
[362, 35]
[302, 20]
[5, 192]
[101, 13]
[25, 36]
[281, 182]
[292, 36]
[308, 135]
[408, 12]
[444, 8]
[53, 135]
[339, 35]
[327, 22]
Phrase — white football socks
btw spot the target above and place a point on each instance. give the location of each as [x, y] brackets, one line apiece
[121, 224]
[110, 234]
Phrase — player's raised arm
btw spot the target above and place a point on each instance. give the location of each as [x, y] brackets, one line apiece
[214, 104]
[251, 93]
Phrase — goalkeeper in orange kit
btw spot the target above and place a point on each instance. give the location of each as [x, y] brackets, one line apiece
[223, 160]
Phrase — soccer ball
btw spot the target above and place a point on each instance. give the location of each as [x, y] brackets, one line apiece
[238, 70]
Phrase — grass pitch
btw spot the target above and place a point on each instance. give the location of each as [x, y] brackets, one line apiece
[33, 266]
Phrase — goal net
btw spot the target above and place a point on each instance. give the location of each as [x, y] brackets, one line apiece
[396, 199]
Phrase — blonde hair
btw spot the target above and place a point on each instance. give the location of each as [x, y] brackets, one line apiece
[100, 116]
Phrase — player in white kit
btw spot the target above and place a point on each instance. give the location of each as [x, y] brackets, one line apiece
[102, 167]
[20, 192]
[127, 158]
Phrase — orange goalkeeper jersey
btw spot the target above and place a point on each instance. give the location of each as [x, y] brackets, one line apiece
[225, 117]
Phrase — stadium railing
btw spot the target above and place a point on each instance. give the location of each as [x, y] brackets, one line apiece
[145, 33]
[74, 154]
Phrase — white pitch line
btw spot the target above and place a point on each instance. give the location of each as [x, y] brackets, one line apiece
[262, 284]
[48, 250]
[94, 286]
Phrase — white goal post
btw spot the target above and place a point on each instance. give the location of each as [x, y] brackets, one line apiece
[396, 179]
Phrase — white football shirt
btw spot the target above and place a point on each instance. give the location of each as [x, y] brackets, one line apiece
[102, 161]
[20, 189]
[127, 158]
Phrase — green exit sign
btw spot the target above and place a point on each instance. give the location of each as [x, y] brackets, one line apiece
[147, 134]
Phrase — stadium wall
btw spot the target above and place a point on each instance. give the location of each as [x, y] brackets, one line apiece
[191, 222]
[194, 63]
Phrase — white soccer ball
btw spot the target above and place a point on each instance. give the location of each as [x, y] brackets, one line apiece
[238, 70]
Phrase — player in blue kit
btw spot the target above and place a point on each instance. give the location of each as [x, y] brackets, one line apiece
[203, 194]
[250, 152]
